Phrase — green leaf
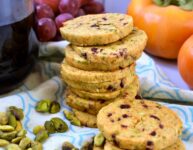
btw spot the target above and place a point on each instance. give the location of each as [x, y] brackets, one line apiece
[162, 2]
[188, 6]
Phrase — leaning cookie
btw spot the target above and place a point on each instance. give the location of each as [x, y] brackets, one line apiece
[81, 62]
[125, 51]
[86, 119]
[75, 74]
[177, 146]
[97, 29]
[102, 87]
[139, 124]
[130, 91]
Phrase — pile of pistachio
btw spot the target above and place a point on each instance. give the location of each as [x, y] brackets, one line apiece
[12, 135]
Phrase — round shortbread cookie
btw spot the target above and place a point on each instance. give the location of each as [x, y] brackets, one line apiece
[102, 87]
[139, 125]
[177, 146]
[132, 88]
[116, 55]
[97, 29]
[82, 63]
[86, 119]
[75, 74]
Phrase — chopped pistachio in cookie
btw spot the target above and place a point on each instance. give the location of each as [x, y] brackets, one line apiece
[139, 124]
[132, 92]
[75, 74]
[128, 50]
[97, 29]
[86, 119]
[81, 62]
[177, 146]
[109, 86]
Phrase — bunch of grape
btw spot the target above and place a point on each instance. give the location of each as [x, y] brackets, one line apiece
[50, 14]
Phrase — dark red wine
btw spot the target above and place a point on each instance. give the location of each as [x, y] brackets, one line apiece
[18, 53]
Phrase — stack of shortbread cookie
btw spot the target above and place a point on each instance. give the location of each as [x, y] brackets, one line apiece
[99, 64]
[139, 125]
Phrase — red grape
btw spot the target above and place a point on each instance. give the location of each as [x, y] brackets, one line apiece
[69, 6]
[52, 3]
[62, 18]
[81, 12]
[44, 11]
[84, 2]
[94, 7]
[46, 29]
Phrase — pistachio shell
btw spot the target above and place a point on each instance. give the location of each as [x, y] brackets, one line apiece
[3, 143]
[3, 118]
[25, 143]
[37, 129]
[72, 118]
[42, 136]
[6, 128]
[13, 147]
[49, 125]
[99, 140]
[59, 124]
[54, 107]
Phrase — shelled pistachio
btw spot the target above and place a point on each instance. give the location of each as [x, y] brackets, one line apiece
[41, 136]
[59, 124]
[72, 118]
[17, 112]
[43, 106]
[68, 146]
[49, 126]
[99, 140]
[3, 118]
[54, 107]
[37, 129]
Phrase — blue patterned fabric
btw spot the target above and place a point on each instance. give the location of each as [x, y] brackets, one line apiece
[44, 82]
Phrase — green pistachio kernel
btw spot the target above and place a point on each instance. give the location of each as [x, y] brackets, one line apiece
[72, 118]
[59, 125]
[3, 118]
[8, 135]
[42, 136]
[37, 129]
[68, 146]
[99, 140]
[6, 128]
[49, 126]
[16, 140]
[25, 143]
[12, 120]
[43, 106]
[3, 143]
[13, 147]
[17, 112]
[36, 145]
[54, 107]
[21, 133]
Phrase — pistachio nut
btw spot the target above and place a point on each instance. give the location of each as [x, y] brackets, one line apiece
[54, 107]
[13, 147]
[6, 128]
[43, 106]
[72, 118]
[8, 135]
[3, 118]
[42, 136]
[59, 125]
[12, 120]
[21, 133]
[16, 140]
[87, 145]
[37, 129]
[19, 126]
[68, 146]
[30, 148]
[3, 143]
[49, 125]
[17, 112]
[99, 140]
[36, 145]
[25, 143]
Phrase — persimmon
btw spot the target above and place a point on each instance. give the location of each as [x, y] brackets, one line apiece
[185, 61]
